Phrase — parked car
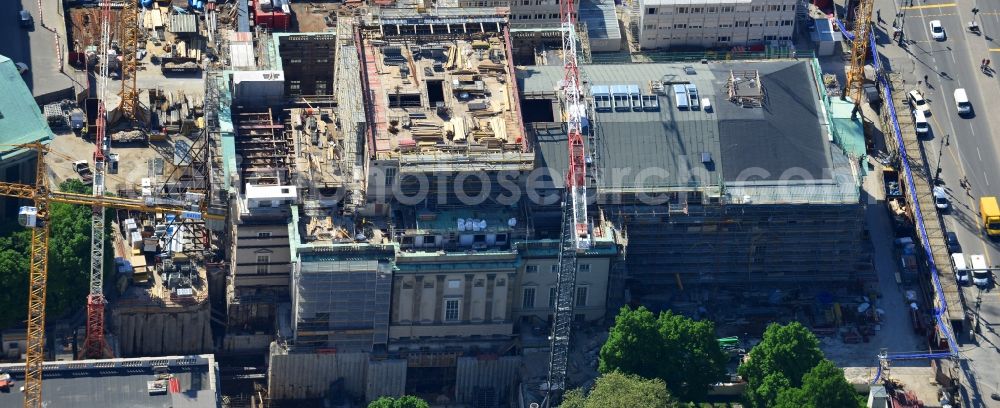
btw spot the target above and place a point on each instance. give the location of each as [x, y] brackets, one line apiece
[940, 198]
[952, 240]
[917, 102]
[21, 67]
[937, 31]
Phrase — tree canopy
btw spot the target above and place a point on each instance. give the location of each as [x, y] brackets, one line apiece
[69, 260]
[788, 369]
[406, 401]
[617, 390]
[822, 387]
[682, 352]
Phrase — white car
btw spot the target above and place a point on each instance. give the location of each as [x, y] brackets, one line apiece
[917, 102]
[21, 67]
[937, 32]
[940, 198]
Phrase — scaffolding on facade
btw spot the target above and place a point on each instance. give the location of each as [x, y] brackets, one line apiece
[741, 244]
[342, 301]
[351, 114]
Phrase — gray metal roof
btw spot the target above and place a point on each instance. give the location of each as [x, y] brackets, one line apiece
[786, 135]
[601, 19]
[120, 383]
[183, 23]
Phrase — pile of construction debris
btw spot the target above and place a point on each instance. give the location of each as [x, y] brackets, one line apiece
[832, 85]
[175, 111]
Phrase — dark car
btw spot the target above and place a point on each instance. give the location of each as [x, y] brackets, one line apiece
[26, 20]
[953, 245]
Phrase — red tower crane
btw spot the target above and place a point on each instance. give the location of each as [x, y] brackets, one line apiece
[95, 345]
[575, 235]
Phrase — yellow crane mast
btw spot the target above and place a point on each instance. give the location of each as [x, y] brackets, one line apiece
[36, 218]
[129, 26]
[859, 50]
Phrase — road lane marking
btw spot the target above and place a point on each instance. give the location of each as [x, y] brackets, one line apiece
[978, 153]
[932, 15]
[929, 6]
[987, 178]
[994, 50]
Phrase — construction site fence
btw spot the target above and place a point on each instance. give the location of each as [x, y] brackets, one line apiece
[925, 242]
[736, 54]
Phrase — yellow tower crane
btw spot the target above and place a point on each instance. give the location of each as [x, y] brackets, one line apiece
[129, 29]
[36, 218]
[859, 50]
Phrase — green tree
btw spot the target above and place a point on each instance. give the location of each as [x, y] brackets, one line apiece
[406, 401]
[633, 344]
[69, 260]
[822, 387]
[617, 390]
[785, 354]
[682, 352]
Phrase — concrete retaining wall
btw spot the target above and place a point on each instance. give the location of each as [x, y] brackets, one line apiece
[499, 374]
[296, 376]
[163, 333]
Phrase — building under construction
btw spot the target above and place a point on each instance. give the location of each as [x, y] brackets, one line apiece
[335, 271]
[390, 237]
[718, 175]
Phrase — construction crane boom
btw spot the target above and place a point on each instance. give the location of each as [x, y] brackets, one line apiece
[859, 50]
[575, 235]
[36, 218]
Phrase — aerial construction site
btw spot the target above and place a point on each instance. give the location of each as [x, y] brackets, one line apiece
[327, 203]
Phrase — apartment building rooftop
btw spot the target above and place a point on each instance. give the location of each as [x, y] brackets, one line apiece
[765, 135]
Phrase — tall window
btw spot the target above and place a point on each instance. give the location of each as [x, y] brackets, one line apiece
[451, 313]
[581, 296]
[262, 263]
[583, 268]
[528, 301]
[552, 298]
[531, 269]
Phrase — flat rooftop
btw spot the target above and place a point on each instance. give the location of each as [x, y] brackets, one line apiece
[447, 98]
[179, 382]
[763, 135]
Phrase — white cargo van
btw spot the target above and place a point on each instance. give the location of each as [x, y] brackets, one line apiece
[980, 271]
[962, 102]
[920, 122]
[961, 269]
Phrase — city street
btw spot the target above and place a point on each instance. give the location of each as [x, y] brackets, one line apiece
[959, 147]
